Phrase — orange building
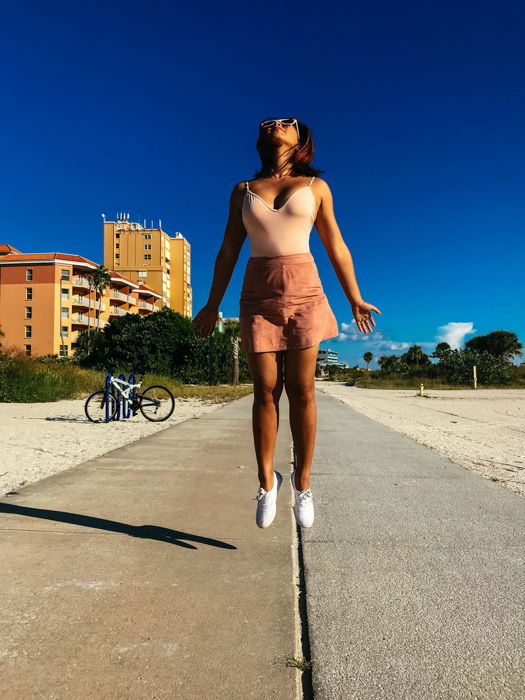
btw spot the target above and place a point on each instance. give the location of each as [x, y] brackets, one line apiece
[149, 254]
[45, 300]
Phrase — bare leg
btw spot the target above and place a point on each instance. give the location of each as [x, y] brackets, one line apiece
[300, 387]
[266, 371]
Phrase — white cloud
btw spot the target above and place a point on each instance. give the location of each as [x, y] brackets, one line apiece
[454, 333]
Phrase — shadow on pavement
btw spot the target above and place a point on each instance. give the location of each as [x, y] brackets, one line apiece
[151, 532]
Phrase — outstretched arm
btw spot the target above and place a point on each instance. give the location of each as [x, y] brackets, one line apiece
[225, 262]
[341, 258]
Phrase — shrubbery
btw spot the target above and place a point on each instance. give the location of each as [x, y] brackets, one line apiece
[161, 343]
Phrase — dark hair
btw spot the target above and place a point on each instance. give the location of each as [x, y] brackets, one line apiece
[300, 158]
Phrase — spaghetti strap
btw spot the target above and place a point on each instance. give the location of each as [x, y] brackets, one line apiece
[313, 178]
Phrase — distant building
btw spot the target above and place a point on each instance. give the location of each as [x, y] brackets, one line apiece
[328, 357]
[45, 300]
[221, 320]
[150, 255]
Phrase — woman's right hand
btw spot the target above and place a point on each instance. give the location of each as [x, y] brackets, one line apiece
[206, 320]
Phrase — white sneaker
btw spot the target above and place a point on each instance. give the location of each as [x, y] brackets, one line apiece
[303, 505]
[267, 502]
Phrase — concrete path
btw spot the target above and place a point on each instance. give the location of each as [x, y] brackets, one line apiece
[414, 570]
[142, 573]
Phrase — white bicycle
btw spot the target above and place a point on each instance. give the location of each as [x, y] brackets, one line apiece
[156, 403]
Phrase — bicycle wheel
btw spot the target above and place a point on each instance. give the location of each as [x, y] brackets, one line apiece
[95, 407]
[156, 403]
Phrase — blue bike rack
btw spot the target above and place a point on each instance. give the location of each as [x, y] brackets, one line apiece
[126, 410]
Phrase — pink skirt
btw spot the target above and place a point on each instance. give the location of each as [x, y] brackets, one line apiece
[283, 305]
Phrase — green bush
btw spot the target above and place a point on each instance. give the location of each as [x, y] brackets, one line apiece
[162, 343]
[29, 380]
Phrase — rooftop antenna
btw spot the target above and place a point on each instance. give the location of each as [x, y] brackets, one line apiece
[152, 223]
[103, 216]
[160, 224]
[144, 223]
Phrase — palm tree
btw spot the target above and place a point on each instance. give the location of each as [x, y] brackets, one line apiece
[233, 330]
[504, 344]
[98, 279]
[367, 357]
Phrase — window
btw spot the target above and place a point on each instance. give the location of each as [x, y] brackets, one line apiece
[29, 293]
[147, 257]
[143, 273]
[27, 330]
[117, 255]
[117, 235]
[64, 274]
[27, 349]
[63, 351]
[29, 312]
[117, 245]
[29, 274]
[147, 235]
[64, 293]
[65, 312]
[147, 246]
[65, 330]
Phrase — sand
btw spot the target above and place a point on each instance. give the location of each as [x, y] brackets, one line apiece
[41, 439]
[482, 429]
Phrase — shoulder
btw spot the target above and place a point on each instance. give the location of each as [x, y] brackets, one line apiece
[237, 194]
[322, 190]
[322, 185]
[239, 189]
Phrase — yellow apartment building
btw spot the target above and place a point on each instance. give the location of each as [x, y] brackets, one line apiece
[45, 300]
[150, 255]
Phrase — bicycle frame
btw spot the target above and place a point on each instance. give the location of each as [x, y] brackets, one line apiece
[125, 392]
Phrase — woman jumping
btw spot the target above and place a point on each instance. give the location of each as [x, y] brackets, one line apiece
[284, 312]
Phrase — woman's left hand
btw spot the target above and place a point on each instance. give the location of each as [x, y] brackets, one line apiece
[363, 317]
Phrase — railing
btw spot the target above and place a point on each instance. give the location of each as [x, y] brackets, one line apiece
[146, 305]
[78, 299]
[80, 318]
[117, 311]
[93, 322]
[80, 282]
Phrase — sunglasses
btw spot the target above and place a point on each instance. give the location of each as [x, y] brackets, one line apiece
[288, 121]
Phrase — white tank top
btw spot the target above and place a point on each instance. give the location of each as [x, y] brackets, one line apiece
[282, 231]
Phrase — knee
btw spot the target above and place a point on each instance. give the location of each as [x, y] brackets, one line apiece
[264, 393]
[302, 392]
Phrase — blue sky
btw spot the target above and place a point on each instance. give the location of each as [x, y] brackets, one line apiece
[417, 112]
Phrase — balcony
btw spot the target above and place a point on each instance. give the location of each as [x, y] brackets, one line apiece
[79, 300]
[80, 282]
[146, 305]
[119, 295]
[83, 320]
[117, 311]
